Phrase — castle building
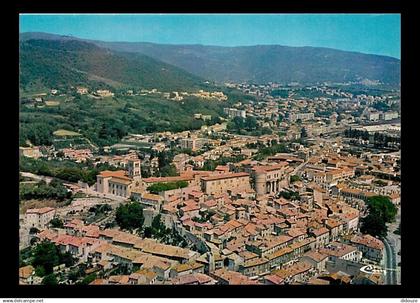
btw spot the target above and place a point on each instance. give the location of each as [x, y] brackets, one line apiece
[221, 183]
[269, 179]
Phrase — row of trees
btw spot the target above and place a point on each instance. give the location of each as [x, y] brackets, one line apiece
[41, 190]
[381, 140]
[356, 133]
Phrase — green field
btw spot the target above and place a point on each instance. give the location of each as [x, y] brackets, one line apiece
[65, 133]
[52, 103]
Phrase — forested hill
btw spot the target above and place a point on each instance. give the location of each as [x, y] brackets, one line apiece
[271, 63]
[261, 63]
[68, 62]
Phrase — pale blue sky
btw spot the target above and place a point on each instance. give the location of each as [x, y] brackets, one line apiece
[366, 33]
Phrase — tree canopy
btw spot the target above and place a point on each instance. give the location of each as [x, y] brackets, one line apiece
[46, 255]
[294, 178]
[270, 151]
[380, 211]
[41, 190]
[49, 280]
[130, 216]
[56, 223]
[383, 207]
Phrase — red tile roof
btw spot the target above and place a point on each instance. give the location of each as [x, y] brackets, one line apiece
[225, 176]
[121, 174]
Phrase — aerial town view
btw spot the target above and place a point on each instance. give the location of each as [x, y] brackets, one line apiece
[188, 150]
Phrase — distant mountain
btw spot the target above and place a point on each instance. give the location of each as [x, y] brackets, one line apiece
[270, 63]
[262, 63]
[44, 36]
[55, 63]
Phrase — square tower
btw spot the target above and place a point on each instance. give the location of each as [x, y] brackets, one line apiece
[134, 169]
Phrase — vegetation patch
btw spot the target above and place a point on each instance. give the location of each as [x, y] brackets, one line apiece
[130, 216]
[380, 211]
[65, 133]
[52, 103]
[160, 187]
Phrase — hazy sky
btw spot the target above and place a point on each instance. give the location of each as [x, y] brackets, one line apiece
[367, 33]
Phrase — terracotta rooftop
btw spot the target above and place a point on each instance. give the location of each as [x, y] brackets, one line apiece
[121, 174]
[151, 197]
[369, 241]
[316, 256]
[233, 278]
[194, 278]
[267, 168]
[168, 179]
[274, 279]
[337, 249]
[121, 180]
[225, 176]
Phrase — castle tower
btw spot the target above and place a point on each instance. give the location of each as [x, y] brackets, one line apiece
[260, 183]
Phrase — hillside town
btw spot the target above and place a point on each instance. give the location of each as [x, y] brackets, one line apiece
[281, 190]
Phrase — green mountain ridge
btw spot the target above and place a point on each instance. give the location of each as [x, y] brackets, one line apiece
[63, 63]
[266, 63]
[262, 63]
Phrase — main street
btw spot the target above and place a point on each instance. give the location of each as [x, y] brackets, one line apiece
[394, 242]
[391, 257]
[390, 264]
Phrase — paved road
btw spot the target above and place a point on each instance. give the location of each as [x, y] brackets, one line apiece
[394, 242]
[299, 167]
[391, 258]
[390, 264]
